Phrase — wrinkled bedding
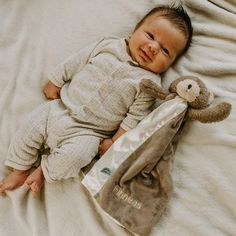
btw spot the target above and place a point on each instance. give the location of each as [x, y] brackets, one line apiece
[36, 35]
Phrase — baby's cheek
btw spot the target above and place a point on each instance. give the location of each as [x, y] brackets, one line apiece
[160, 66]
[165, 64]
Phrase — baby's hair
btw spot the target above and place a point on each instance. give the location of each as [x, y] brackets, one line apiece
[177, 16]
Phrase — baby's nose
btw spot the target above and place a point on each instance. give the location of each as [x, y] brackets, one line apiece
[154, 48]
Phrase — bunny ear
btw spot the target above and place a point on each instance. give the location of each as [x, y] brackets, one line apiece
[211, 114]
[149, 87]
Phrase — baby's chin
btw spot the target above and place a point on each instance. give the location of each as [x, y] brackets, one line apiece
[143, 65]
[149, 68]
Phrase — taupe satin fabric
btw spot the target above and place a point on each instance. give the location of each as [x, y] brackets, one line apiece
[132, 181]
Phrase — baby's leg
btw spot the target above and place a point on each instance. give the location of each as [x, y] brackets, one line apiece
[65, 162]
[23, 150]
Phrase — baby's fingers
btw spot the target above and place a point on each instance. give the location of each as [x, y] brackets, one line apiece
[51, 91]
[51, 94]
[100, 150]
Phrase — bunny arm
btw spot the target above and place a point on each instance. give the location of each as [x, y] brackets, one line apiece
[149, 87]
[211, 114]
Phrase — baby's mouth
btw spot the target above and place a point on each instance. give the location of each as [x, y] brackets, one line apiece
[146, 57]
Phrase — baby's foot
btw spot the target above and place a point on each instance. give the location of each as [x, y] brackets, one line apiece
[35, 180]
[15, 179]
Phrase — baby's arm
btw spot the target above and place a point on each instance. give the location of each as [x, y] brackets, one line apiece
[140, 108]
[137, 111]
[65, 71]
[106, 143]
[75, 63]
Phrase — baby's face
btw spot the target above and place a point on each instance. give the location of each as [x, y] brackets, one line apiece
[156, 44]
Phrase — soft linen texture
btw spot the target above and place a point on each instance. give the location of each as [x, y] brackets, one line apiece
[37, 35]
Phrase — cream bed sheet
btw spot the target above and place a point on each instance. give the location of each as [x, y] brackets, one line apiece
[36, 35]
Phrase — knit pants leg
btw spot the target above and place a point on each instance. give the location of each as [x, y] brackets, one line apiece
[25, 145]
[66, 160]
[50, 125]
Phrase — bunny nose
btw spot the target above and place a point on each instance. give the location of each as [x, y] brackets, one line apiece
[189, 86]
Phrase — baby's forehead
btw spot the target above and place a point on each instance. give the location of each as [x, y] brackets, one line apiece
[155, 17]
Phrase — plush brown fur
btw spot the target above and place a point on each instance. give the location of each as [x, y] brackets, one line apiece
[198, 109]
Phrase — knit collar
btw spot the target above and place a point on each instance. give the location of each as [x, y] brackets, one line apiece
[125, 53]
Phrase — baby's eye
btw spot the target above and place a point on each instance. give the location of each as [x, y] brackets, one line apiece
[150, 35]
[165, 51]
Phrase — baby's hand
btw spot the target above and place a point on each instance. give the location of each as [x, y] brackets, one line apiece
[104, 145]
[51, 91]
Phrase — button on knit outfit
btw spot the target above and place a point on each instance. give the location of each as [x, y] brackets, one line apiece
[100, 93]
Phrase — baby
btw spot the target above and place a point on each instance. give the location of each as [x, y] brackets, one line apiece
[99, 99]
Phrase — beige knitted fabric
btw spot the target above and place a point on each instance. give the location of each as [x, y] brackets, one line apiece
[49, 126]
[103, 86]
[100, 91]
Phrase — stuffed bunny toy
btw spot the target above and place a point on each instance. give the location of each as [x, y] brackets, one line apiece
[195, 92]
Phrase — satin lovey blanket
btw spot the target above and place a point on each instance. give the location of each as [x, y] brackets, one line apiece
[132, 182]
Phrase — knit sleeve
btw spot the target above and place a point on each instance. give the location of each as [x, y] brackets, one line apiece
[65, 70]
[140, 108]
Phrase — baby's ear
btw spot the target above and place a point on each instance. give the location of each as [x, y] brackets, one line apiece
[210, 114]
[149, 87]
